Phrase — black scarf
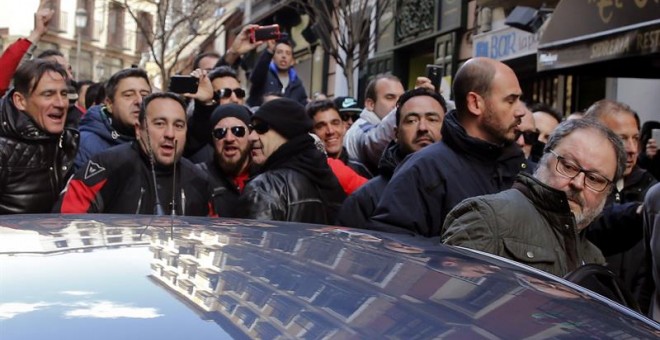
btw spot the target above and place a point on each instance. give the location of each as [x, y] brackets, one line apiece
[300, 154]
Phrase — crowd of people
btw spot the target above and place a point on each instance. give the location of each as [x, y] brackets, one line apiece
[485, 171]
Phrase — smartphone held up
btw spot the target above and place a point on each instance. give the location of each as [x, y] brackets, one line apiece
[434, 73]
[183, 84]
[263, 33]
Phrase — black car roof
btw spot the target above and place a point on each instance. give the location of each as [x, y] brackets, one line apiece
[109, 276]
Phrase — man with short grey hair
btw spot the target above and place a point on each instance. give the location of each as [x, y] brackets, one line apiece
[541, 220]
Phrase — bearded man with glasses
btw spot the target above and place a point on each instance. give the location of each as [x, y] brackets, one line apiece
[229, 168]
[541, 221]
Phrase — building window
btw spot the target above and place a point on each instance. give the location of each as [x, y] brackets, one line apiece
[116, 25]
[88, 31]
[58, 22]
[144, 32]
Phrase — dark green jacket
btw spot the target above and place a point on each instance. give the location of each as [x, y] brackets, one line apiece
[531, 224]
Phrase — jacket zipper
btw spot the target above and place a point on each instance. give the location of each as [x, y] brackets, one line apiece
[139, 205]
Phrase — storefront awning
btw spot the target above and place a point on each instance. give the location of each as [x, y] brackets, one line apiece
[613, 38]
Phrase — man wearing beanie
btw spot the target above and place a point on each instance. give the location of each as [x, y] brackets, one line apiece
[229, 168]
[295, 182]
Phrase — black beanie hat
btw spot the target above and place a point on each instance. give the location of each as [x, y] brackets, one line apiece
[230, 110]
[285, 116]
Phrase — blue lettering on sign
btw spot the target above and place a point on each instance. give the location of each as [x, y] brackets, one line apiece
[482, 49]
[502, 46]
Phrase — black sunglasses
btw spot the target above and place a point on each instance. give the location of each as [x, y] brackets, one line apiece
[345, 116]
[226, 93]
[238, 131]
[260, 128]
[530, 137]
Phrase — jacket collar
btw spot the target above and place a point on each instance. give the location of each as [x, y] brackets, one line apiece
[455, 136]
[293, 75]
[368, 116]
[390, 159]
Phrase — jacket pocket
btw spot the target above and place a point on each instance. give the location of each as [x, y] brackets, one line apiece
[528, 253]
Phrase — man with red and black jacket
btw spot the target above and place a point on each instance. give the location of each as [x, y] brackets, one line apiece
[147, 176]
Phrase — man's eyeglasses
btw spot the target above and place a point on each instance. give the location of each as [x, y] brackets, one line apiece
[569, 169]
[226, 93]
[530, 137]
[260, 128]
[238, 131]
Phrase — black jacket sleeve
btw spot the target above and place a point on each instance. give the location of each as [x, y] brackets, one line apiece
[617, 229]
[199, 128]
[258, 78]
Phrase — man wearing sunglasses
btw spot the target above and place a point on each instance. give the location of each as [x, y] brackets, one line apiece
[220, 87]
[528, 136]
[295, 183]
[229, 169]
[541, 221]
[226, 86]
[349, 109]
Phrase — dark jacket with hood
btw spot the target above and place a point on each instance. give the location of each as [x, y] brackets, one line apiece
[34, 165]
[531, 224]
[360, 205]
[264, 80]
[97, 133]
[435, 179]
[295, 184]
[120, 181]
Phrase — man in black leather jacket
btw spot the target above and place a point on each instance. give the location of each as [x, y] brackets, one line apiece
[37, 144]
[294, 182]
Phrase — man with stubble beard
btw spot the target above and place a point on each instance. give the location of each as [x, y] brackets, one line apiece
[476, 156]
[229, 168]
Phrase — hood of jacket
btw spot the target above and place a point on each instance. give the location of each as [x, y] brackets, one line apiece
[98, 122]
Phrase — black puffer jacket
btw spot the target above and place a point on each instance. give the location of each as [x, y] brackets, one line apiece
[360, 205]
[296, 184]
[34, 165]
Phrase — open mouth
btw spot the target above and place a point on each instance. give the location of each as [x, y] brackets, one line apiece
[57, 117]
[230, 150]
[167, 149]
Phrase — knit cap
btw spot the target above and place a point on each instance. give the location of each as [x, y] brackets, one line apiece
[285, 116]
[230, 110]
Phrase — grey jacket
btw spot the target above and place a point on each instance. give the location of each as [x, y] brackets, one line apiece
[531, 224]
